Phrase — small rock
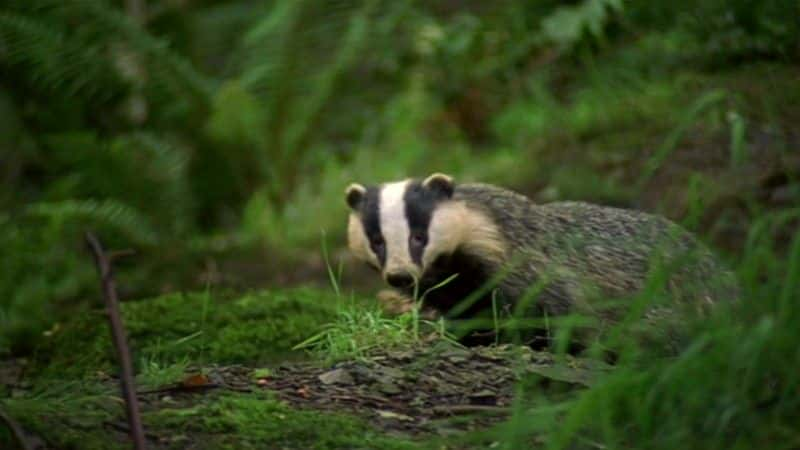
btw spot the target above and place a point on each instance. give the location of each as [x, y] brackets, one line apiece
[484, 397]
[457, 359]
[402, 356]
[389, 388]
[362, 374]
[392, 372]
[456, 352]
[484, 393]
[418, 401]
[393, 415]
[336, 376]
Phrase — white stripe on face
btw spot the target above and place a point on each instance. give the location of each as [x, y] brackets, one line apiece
[394, 226]
[358, 242]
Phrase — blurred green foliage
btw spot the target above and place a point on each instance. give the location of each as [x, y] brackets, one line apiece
[204, 130]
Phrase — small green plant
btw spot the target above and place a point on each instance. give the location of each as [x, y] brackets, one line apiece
[738, 142]
[356, 331]
[154, 373]
[334, 278]
[419, 301]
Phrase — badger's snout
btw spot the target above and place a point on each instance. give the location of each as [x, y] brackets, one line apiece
[399, 279]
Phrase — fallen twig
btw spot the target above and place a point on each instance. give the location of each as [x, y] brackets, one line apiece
[120, 343]
[16, 431]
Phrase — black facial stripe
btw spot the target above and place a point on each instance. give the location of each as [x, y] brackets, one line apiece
[420, 203]
[371, 220]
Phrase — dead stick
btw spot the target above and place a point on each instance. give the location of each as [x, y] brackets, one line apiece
[16, 430]
[120, 343]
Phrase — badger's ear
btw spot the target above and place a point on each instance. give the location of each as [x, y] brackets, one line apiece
[440, 183]
[354, 194]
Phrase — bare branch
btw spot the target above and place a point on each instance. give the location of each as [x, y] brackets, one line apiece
[120, 342]
[16, 430]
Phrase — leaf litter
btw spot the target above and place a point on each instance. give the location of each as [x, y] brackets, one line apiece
[415, 391]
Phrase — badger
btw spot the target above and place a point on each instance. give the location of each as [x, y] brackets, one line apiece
[498, 249]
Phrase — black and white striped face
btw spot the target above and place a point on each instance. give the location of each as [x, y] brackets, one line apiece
[395, 226]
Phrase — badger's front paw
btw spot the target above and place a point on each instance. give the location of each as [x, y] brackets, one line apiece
[394, 303]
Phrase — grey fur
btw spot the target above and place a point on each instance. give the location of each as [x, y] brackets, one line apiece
[585, 246]
[580, 254]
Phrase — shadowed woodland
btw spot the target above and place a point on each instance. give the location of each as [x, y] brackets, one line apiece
[210, 142]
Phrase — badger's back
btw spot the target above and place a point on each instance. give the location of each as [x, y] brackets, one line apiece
[586, 251]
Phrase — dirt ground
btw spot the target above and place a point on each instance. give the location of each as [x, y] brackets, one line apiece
[437, 390]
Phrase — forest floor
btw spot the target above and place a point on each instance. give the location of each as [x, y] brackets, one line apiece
[431, 393]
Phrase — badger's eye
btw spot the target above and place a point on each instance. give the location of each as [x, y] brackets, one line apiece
[377, 242]
[418, 239]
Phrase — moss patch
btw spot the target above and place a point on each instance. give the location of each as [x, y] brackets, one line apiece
[69, 414]
[258, 421]
[70, 399]
[68, 419]
[255, 328]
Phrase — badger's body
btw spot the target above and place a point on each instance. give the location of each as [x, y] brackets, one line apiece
[563, 256]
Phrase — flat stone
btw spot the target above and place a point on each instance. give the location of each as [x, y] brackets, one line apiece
[393, 415]
[389, 388]
[336, 376]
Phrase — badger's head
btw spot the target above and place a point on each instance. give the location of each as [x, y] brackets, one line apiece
[401, 228]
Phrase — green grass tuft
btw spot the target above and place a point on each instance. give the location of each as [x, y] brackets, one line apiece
[358, 330]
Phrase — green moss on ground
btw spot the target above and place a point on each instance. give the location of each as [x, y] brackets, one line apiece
[69, 414]
[70, 400]
[256, 328]
[243, 421]
[69, 419]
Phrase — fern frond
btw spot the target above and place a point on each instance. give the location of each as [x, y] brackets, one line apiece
[169, 172]
[53, 61]
[42, 38]
[107, 212]
[351, 44]
[169, 69]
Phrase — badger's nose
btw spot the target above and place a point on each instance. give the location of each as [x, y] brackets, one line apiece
[399, 280]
